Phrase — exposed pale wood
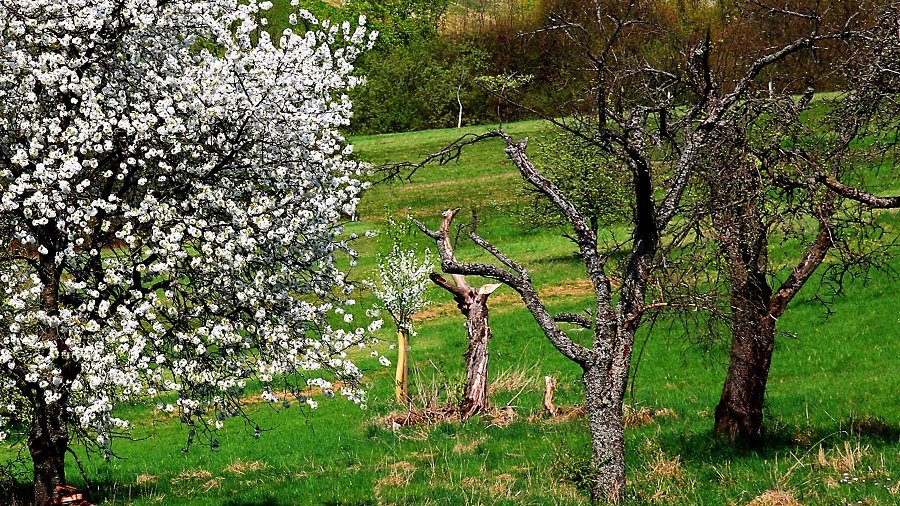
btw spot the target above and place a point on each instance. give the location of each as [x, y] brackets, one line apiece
[549, 389]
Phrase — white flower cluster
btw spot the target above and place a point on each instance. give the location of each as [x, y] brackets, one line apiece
[403, 279]
[172, 181]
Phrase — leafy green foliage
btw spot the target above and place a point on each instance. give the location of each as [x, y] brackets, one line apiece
[420, 86]
[596, 184]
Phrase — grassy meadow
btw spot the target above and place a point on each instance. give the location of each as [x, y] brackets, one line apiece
[833, 417]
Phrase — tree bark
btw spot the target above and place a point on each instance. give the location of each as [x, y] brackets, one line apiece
[739, 414]
[48, 439]
[604, 407]
[401, 386]
[475, 393]
[48, 436]
[472, 303]
[549, 388]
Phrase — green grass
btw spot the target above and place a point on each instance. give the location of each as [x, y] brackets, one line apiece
[833, 389]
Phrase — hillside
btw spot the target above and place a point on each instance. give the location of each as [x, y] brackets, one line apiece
[833, 425]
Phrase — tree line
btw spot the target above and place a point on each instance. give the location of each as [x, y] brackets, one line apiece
[433, 63]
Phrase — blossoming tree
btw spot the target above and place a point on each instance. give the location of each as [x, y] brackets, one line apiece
[172, 181]
[400, 288]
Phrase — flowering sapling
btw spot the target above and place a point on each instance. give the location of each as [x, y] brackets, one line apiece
[168, 213]
[400, 288]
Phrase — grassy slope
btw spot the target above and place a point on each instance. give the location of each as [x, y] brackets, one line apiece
[831, 372]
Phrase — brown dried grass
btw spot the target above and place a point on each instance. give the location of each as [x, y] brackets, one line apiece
[663, 468]
[632, 417]
[842, 459]
[143, 479]
[775, 497]
[211, 484]
[400, 476]
[239, 467]
[191, 475]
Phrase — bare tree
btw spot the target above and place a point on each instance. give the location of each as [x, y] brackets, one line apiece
[658, 119]
[472, 302]
[776, 177]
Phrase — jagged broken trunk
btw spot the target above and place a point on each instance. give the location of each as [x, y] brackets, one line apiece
[739, 414]
[472, 303]
[478, 330]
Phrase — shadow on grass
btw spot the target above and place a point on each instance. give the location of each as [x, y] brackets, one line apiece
[269, 500]
[704, 447]
[16, 493]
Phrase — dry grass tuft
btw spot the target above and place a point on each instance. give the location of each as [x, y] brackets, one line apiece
[191, 475]
[661, 479]
[211, 484]
[503, 485]
[400, 476]
[497, 487]
[502, 417]
[143, 479]
[516, 379]
[461, 447]
[639, 417]
[403, 465]
[240, 467]
[842, 460]
[775, 497]
[662, 468]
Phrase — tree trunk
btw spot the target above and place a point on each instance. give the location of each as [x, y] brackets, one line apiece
[604, 407]
[475, 393]
[48, 440]
[48, 437]
[739, 415]
[401, 387]
[472, 304]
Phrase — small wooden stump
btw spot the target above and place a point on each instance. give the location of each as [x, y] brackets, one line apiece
[549, 388]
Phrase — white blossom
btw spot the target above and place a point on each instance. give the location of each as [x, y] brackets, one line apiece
[172, 180]
[402, 281]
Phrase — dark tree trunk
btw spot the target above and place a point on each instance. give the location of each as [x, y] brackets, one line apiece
[604, 407]
[475, 393]
[739, 414]
[48, 436]
[48, 440]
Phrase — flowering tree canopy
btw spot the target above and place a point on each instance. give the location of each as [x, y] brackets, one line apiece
[400, 289]
[172, 181]
[402, 281]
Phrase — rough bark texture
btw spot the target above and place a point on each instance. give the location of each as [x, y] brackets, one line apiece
[475, 393]
[604, 408]
[472, 304]
[755, 312]
[401, 385]
[739, 414]
[48, 440]
[48, 436]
